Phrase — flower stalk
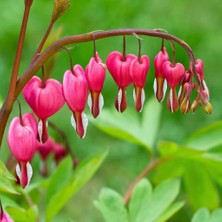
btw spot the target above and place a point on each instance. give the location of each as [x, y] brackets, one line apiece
[17, 85]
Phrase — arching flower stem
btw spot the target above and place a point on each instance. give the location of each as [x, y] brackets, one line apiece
[18, 85]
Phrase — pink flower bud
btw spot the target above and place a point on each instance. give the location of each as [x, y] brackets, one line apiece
[75, 92]
[138, 72]
[118, 67]
[45, 148]
[95, 76]
[44, 99]
[185, 104]
[199, 68]
[59, 152]
[22, 141]
[173, 73]
[159, 81]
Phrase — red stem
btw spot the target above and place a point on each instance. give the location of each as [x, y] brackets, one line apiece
[151, 165]
[43, 41]
[14, 75]
[53, 48]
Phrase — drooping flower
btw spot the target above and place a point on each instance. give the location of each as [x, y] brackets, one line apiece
[185, 91]
[75, 92]
[22, 141]
[160, 84]
[173, 73]
[95, 75]
[203, 92]
[119, 66]
[45, 99]
[138, 70]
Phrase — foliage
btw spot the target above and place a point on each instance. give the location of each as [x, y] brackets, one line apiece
[145, 205]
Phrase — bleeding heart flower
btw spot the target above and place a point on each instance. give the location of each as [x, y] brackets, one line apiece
[119, 66]
[22, 141]
[75, 92]
[95, 76]
[173, 73]
[160, 85]
[45, 99]
[138, 70]
[199, 68]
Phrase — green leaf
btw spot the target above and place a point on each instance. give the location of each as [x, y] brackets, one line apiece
[202, 215]
[160, 200]
[197, 181]
[23, 215]
[4, 172]
[60, 178]
[111, 205]
[207, 137]
[6, 186]
[140, 196]
[150, 121]
[80, 177]
[170, 211]
[216, 216]
[171, 149]
[129, 127]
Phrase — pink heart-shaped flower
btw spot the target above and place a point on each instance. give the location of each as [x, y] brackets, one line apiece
[119, 66]
[44, 100]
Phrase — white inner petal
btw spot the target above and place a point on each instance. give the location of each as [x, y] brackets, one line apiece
[28, 169]
[90, 102]
[171, 100]
[40, 130]
[73, 122]
[206, 88]
[164, 89]
[18, 171]
[155, 86]
[101, 102]
[180, 90]
[29, 172]
[134, 94]
[142, 99]
[84, 123]
[119, 98]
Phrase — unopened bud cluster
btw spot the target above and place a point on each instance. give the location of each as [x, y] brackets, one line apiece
[46, 97]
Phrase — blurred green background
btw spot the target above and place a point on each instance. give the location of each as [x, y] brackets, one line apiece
[196, 22]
